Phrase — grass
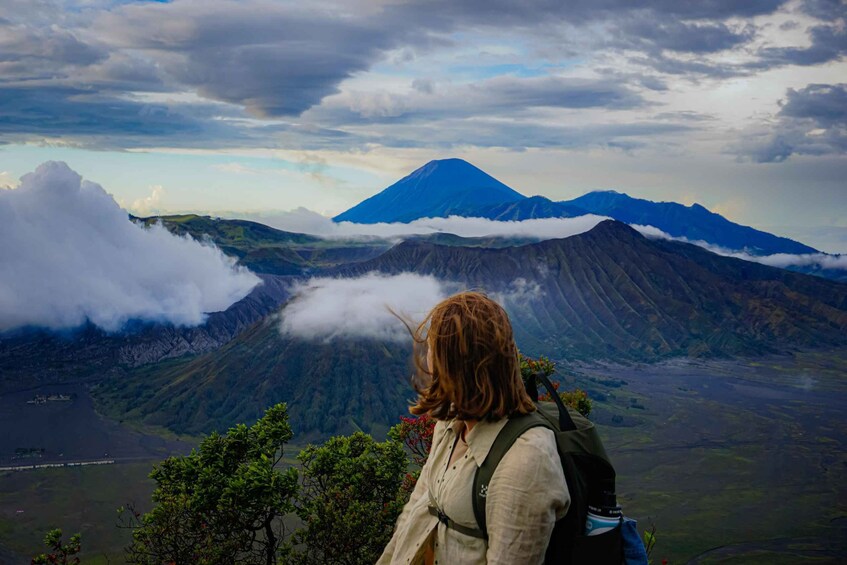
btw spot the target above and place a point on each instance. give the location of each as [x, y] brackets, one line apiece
[81, 499]
[733, 453]
[725, 458]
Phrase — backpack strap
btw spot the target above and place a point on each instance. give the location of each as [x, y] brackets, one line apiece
[566, 423]
[447, 521]
[513, 429]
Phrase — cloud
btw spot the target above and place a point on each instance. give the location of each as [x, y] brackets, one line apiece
[83, 75]
[149, 205]
[306, 221]
[274, 59]
[828, 43]
[104, 120]
[325, 308]
[812, 121]
[822, 9]
[500, 95]
[71, 255]
[825, 104]
[647, 34]
[520, 292]
[7, 181]
[781, 260]
[30, 51]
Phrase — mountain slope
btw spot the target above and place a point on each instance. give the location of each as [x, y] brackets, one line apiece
[611, 293]
[331, 388]
[529, 208]
[694, 222]
[31, 357]
[608, 294]
[264, 249]
[438, 189]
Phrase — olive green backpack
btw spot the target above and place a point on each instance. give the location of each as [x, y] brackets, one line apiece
[588, 472]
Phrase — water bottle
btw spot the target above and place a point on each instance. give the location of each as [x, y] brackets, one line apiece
[604, 515]
[602, 520]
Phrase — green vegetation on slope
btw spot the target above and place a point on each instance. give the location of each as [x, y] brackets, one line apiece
[331, 388]
[610, 293]
[267, 250]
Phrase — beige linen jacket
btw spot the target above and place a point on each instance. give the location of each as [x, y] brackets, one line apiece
[527, 494]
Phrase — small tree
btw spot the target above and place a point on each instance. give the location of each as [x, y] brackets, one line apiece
[415, 434]
[223, 503]
[59, 553]
[350, 499]
[576, 399]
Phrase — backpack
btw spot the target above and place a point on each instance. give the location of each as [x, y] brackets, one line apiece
[588, 472]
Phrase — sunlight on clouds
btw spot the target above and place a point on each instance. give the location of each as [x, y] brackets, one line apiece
[149, 205]
[70, 255]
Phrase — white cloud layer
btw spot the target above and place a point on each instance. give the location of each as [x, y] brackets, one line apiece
[302, 220]
[781, 260]
[71, 254]
[324, 308]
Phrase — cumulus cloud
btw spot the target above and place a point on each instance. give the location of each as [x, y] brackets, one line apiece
[305, 221]
[325, 308]
[781, 260]
[149, 205]
[70, 254]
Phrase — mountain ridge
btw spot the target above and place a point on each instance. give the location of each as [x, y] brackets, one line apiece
[441, 188]
[695, 223]
[607, 294]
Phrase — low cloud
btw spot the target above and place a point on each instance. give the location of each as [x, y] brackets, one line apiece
[361, 307]
[325, 308]
[70, 254]
[521, 292]
[302, 220]
[781, 260]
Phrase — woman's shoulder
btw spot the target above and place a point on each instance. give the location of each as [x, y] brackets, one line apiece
[532, 463]
[535, 442]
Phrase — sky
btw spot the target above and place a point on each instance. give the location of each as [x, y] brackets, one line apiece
[256, 106]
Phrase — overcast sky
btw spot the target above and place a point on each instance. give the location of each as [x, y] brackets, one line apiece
[260, 105]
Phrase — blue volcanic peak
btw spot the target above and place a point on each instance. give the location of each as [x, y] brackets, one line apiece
[438, 189]
[455, 187]
[694, 222]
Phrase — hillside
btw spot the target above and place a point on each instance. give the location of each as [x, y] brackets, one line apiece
[694, 222]
[438, 189]
[526, 209]
[264, 249]
[609, 294]
[32, 357]
[331, 388]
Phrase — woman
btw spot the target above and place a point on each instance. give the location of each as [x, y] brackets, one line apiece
[468, 379]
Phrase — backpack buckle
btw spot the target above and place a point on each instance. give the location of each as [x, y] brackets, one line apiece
[438, 513]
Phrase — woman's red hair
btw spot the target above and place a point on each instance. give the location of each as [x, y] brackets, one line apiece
[474, 372]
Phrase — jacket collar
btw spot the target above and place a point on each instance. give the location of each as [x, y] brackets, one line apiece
[480, 438]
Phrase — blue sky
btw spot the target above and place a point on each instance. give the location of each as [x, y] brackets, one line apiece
[260, 105]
